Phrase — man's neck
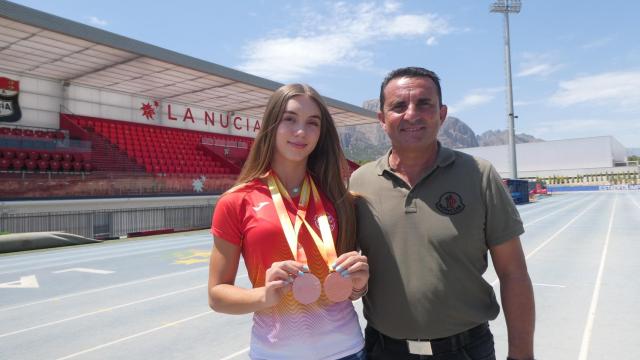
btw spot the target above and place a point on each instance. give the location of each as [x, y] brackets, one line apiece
[411, 165]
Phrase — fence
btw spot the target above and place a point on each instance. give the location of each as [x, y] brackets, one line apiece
[110, 223]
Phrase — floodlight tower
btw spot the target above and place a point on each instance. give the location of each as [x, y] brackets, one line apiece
[505, 7]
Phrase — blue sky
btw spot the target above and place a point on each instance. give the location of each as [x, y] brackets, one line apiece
[575, 64]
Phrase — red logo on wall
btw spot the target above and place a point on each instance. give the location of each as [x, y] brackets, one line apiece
[9, 107]
[149, 111]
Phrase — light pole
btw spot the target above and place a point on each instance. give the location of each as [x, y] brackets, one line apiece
[505, 7]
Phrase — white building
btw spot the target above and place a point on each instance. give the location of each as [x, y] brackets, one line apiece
[569, 157]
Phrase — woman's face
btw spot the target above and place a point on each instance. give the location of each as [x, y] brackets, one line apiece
[298, 130]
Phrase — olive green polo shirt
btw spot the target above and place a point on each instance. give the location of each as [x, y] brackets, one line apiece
[427, 245]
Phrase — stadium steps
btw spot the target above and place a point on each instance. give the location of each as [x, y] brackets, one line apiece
[108, 157]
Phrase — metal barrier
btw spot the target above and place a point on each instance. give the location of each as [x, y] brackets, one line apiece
[110, 223]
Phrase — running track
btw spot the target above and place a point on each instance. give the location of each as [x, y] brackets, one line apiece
[146, 298]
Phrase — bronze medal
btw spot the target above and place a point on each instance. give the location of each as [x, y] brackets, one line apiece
[306, 288]
[337, 288]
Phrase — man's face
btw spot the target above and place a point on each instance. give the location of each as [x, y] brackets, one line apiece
[411, 114]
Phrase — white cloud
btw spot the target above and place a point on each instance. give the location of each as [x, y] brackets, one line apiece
[94, 20]
[536, 69]
[475, 98]
[340, 37]
[391, 6]
[620, 89]
[597, 43]
[537, 65]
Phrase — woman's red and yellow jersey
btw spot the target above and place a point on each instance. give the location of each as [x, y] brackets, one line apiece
[247, 218]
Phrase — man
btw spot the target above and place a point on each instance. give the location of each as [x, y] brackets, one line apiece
[426, 220]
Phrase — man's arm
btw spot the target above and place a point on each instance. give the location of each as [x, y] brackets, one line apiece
[516, 292]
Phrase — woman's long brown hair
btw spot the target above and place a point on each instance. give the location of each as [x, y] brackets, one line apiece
[326, 163]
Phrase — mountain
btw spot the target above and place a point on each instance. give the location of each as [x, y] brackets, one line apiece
[368, 142]
[499, 137]
[455, 134]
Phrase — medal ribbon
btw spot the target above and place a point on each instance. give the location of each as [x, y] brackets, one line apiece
[329, 251]
[325, 244]
[290, 230]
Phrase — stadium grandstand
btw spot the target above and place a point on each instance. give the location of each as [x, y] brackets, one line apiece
[105, 136]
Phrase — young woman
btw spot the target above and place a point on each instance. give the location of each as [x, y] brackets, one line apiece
[291, 218]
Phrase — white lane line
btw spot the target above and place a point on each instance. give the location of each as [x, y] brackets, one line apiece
[547, 205]
[586, 336]
[89, 259]
[549, 285]
[58, 298]
[237, 353]
[177, 322]
[85, 270]
[25, 282]
[534, 251]
[108, 309]
[633, 200]
[102, 310]
[66, 253]
[552, 213]
[546, 242]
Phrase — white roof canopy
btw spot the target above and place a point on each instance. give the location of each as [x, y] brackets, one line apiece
[43, 45]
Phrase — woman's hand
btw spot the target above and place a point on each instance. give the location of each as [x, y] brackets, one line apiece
[353, 265]
[278, 280]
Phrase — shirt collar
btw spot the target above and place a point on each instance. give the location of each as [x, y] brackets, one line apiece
[445, 157]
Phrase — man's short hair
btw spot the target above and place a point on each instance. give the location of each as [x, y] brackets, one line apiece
[411, 72]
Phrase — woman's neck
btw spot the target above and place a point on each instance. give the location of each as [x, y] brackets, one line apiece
[291, 175]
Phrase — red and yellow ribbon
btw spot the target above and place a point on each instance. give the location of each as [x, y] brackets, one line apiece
[324, 242]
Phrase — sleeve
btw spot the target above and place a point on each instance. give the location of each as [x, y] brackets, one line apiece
[227, 220]
[502, 222]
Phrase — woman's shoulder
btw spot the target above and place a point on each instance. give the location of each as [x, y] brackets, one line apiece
[241, 191]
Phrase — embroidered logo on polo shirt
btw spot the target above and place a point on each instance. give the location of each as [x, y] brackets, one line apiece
[450, 203]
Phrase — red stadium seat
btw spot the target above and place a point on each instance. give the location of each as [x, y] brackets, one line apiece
[34, 155]
[27, 132]
[56, 157]
[4, 164]
[67, 157]
[21, 155]
[43, 165]
[5, 131]
[40, 133]
[8, 154]
[55, 165]
[45, 156]
[87, 166]
[16, 132]
[77, 166]
[31, 164]
[17, 164]
[66, 166]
